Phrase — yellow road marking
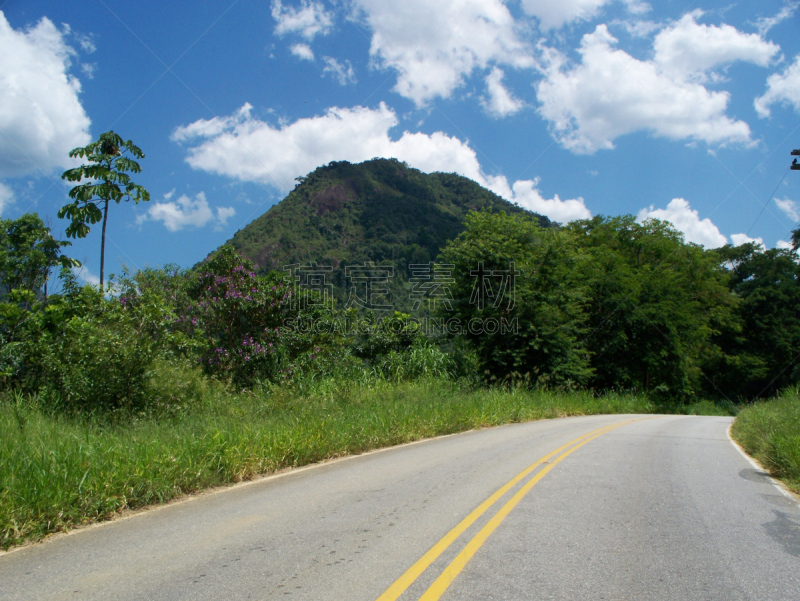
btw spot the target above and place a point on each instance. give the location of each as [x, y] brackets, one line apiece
[449, 574]
[401, 584]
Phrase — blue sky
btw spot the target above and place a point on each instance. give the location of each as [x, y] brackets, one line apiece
[679, 110]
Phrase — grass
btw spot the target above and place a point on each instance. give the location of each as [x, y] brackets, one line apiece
[770, 432]
[58, 472]
[704, 407]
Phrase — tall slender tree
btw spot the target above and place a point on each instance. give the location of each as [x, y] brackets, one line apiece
[110, 158]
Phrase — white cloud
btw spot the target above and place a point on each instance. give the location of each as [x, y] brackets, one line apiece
[528, 196]
[209, 128]
[88, 69]
[433, 46]
[689, 50]
[185, 212]
[789, 207]
[637, 7]
[783, 88]
[638, 29]
[500, 102]
[610, 94]
[83, 273]
[247, 149]
[552, 14]
[764, 24]
[303, 52]
[87, 43]
[783, 245]
[223, 214]
[342, 72]
[739, 239]
[686, 220]
[6, 197]
[41, 117]
[308, 20]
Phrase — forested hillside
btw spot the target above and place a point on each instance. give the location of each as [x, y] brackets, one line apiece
[381, 210]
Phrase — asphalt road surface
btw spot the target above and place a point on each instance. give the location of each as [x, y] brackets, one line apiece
[636, 507]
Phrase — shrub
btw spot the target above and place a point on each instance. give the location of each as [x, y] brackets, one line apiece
[241, 315]
[379, 337]
[422, 360]
[257, 327]
[523, 282]
[29, 325]
[174, 387]
[98, 365]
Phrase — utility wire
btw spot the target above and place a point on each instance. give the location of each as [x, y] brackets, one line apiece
[766, 203]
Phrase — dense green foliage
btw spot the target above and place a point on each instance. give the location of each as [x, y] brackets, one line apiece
[653, 303]
[80, 350]
[770, 432]
[28, 253]
[518, 297]
[606, 304]
[381, 210]
[610, 303]
[764, 345]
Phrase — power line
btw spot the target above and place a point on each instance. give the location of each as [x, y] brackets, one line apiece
[770, 198]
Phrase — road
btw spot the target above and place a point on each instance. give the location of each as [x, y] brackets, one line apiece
[655, 508]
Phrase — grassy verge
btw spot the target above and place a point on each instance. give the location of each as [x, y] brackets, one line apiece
[57, 473]
[770, 432]
[702, 407]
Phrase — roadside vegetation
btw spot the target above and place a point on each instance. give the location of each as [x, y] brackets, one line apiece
[166, 381]
[770, 432]
[59, 472]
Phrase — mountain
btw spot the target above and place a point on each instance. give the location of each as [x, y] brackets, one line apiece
[382, 211]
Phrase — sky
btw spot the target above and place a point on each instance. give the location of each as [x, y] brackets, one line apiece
[680, 110]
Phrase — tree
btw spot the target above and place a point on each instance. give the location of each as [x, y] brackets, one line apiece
[653, 305]
[518, 299]
[767, 284]
[108, 180]
[28, 252]
[244, 319]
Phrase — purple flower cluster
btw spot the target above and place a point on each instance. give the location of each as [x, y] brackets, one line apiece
[241, 315]
[253, 349]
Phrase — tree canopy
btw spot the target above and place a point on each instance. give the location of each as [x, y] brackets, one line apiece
[611, 303]
[28, 252]
[108, 180]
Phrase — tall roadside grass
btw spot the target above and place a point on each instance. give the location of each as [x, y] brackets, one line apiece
[770, 432]
[58, 472]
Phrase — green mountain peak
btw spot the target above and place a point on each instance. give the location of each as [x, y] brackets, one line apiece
[379, 211]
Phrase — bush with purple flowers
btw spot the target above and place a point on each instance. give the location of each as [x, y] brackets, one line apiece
[243, 315]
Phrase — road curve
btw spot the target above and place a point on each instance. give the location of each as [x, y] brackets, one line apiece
[657, 508]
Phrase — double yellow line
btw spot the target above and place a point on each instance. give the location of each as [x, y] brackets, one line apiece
[449, 574]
